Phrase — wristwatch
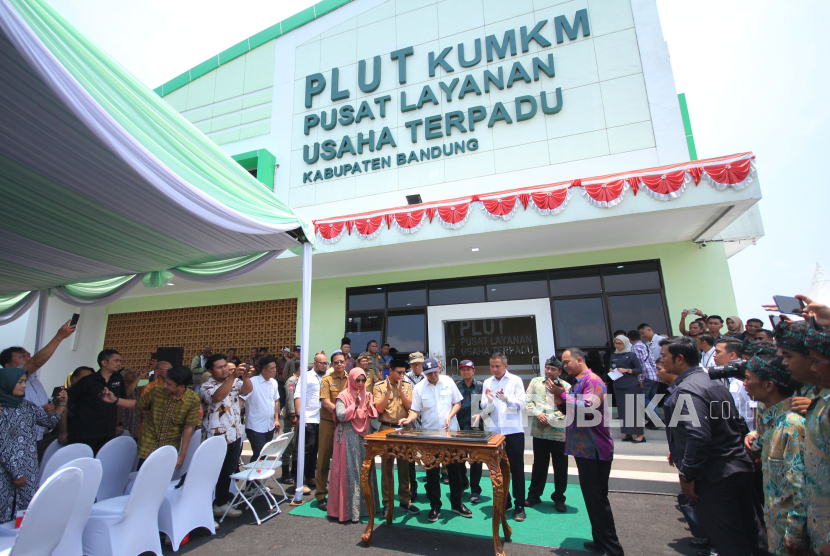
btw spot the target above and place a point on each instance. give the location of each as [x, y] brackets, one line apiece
[685, 478]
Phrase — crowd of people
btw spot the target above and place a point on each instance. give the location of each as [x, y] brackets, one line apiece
[746, 416]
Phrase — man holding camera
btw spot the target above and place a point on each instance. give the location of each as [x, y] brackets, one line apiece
[715, 470]
[727, 351]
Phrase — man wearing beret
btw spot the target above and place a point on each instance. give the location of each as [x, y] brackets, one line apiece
[779, 443]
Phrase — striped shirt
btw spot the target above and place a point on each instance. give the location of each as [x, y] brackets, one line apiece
[646, 361]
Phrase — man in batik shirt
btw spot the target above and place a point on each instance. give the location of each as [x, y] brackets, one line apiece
[779, 441]
[817, 446]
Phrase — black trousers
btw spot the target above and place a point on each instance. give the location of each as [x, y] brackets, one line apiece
[413, 483]
[514, 447]
[727, 513]
[229, 467]
[593, 481]
[258, 440]
[474, 482]
[544, 452]
[434, 485]
[289, 458]
[312, 437]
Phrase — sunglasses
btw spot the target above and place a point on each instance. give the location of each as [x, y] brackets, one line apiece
[359, 380]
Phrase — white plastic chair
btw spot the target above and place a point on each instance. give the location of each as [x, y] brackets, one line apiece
[47, 516]
[191, 506]
[116, 457]
[63, 456]
[288, 436]
[72, 542]
[50, 451]
[195, 441]
[128, 525]
[255, 477]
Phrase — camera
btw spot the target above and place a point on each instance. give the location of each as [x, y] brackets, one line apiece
[734, 369]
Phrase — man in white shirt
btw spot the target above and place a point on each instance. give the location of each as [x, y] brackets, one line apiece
[502, 408]
[725, 351]
[262, 407]
[706, 343]
[312, 414]
[437, 400]
[651, 340]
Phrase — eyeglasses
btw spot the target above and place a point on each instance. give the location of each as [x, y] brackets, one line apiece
[323, 363]
[360, 380]
[338, 363]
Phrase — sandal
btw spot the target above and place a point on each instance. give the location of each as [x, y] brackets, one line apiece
[628, 438]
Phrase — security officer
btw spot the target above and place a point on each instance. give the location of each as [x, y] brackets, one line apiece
[330, 387]
[291, 424]
[372, 377]
[392, 398]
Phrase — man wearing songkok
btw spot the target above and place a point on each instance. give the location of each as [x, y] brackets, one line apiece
[548, 432]
[817, 447]
[779, 442]
[437, 400]
[392, 398]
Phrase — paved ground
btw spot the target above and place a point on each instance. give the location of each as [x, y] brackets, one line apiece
[647, 525]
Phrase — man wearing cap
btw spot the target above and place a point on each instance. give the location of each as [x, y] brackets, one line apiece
[393, 398]
[330, 387]
[469, 418]
[505, 402]
[414, 376]
[779, 442]
[437, 400]
[548, 432]
[817, 441]
[346, 349]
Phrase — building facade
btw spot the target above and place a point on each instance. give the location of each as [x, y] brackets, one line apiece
[558, 195]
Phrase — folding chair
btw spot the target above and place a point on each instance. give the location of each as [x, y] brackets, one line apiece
[255, 477]
[288, 436]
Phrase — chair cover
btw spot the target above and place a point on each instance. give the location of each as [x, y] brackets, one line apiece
[195, 440]
[50, 451]
[63, 456]
[191, 506]
[116, 457]
[47, 516]
[128, 525]
[72, 542]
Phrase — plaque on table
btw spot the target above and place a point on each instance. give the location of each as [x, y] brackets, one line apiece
[460, 436]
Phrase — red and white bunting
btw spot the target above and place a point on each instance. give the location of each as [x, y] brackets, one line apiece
[502, 208]
[409, 222]
[663, 184]
[551, 202]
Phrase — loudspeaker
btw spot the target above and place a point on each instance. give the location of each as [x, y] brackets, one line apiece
[173, 355]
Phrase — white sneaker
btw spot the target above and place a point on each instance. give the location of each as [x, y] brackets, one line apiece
[219, 511]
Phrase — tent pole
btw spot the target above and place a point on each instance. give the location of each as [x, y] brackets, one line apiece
[41, 319]
[305, 326]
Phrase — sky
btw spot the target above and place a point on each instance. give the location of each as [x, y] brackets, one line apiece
[755, 74]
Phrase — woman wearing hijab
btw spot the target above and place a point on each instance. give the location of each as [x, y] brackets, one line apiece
[735, 328]
[353, 413]
[627, 386]
[18, 441]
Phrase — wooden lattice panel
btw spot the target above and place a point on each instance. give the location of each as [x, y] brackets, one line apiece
[237, 325]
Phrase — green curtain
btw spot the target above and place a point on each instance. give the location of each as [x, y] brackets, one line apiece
[9, 302]
[97, 289]
[217, 268]
[157, 279]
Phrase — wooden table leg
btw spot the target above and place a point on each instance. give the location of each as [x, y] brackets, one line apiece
[497, 478]
[505, 471]
[366, 486]
[390, 486]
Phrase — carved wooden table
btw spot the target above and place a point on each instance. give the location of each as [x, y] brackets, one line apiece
[430, 453]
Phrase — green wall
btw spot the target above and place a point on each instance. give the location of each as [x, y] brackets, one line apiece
[693, 277]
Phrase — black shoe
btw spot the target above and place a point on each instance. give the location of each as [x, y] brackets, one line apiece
[560, 506]
[475, 498]
[519, 513]
[699, 543]
[462, 510]
[323, 504]
[532, 502]
[383, 511]
[286, 480]
[628, 438]
[410, 509]
[445, 480]
[434, 515]
[634, 441]
[592, 546]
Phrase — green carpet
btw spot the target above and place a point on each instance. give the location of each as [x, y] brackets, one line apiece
[544, 526]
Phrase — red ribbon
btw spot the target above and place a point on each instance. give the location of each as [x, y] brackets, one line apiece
[665, 183]
[500, 206]
[606, 192]
[729, 174]
[455, 213]
[409, 220]
[550, 200]
[330, 231]
[368, 226]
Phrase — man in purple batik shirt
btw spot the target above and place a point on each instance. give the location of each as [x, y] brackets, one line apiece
[590, 442]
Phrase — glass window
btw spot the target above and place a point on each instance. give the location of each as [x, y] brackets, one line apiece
[452, 292]
[406, 332]
[406, 296]
[576, 281]
[629, 277]
[630, 311]
[579, 322]
[364, 299]
[363, 328]
[524, 286]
